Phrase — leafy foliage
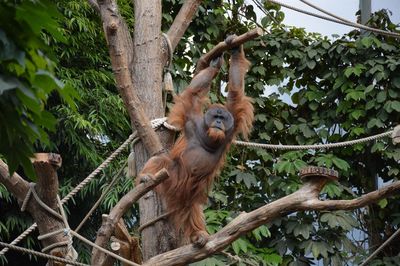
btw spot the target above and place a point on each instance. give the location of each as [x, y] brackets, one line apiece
[307, 89]
[27, 80]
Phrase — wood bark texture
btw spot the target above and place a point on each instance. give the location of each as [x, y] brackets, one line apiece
[47, 189]
[147, 76]
[306, 198]
[110, 221]
[120, 48]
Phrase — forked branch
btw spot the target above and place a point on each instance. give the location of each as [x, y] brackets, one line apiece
[306, 198]
[110, 221]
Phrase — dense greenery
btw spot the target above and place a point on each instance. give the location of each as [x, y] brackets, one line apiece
[27, 79]
[323, 90]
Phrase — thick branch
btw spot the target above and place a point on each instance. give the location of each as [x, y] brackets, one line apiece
[304, 199]
[94, 5]
[205, 59]
[120, 48]
[109, 222]
[14, 184]
[182, 21]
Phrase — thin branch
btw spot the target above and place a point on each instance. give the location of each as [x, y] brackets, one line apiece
[110, 221]
[205, 59]
[356, 203]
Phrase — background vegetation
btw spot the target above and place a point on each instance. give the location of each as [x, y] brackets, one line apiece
[57, 94]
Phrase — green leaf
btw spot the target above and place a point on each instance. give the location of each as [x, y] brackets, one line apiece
[396, 82]
[381, 97]
[341, 164]
[367, 41]
[303, 229]
[311, 64]
[332, 189]
[383, 203]
[239, 245]
[278, 124]
[396, 106]
[8, 83]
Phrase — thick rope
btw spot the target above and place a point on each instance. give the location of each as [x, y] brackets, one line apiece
[153, 221]
[352, 24]
[103, 249]
[325, 11]
[102, 196]
[155, 124]
[313, 147]
[40, 254]
[298, 147]
[32, 191]
[99, 169]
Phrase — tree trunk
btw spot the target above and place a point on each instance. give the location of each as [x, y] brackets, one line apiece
[147, 78]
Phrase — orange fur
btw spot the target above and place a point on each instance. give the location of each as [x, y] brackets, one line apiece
[192, 167]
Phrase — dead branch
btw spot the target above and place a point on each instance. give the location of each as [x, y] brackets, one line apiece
[205, 59]
[110, 221]
[182, 21]
[306, 198]
[120, 48]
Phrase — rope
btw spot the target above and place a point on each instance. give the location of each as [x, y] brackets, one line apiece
[103, 249]
[297, 147]
[313, 147]
[40, 254]
[153, 221]
[32, 191]
[384, 244]
[170, 51]
[99, 168]
[110, 185]
[325, 11]
[155, 124]
[352, 24]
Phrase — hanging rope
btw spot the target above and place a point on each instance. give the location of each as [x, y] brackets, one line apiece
[102, 196]
[352, 24]
[296, 147]
[40, 254]
[313, 147]
[155, 124]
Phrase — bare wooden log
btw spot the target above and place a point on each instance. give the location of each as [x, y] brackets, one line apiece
[205, 59]
[306, 198]
[45, 165]
[110, 221]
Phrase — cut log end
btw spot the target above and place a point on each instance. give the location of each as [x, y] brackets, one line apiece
[51, 158]
[314, 171]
